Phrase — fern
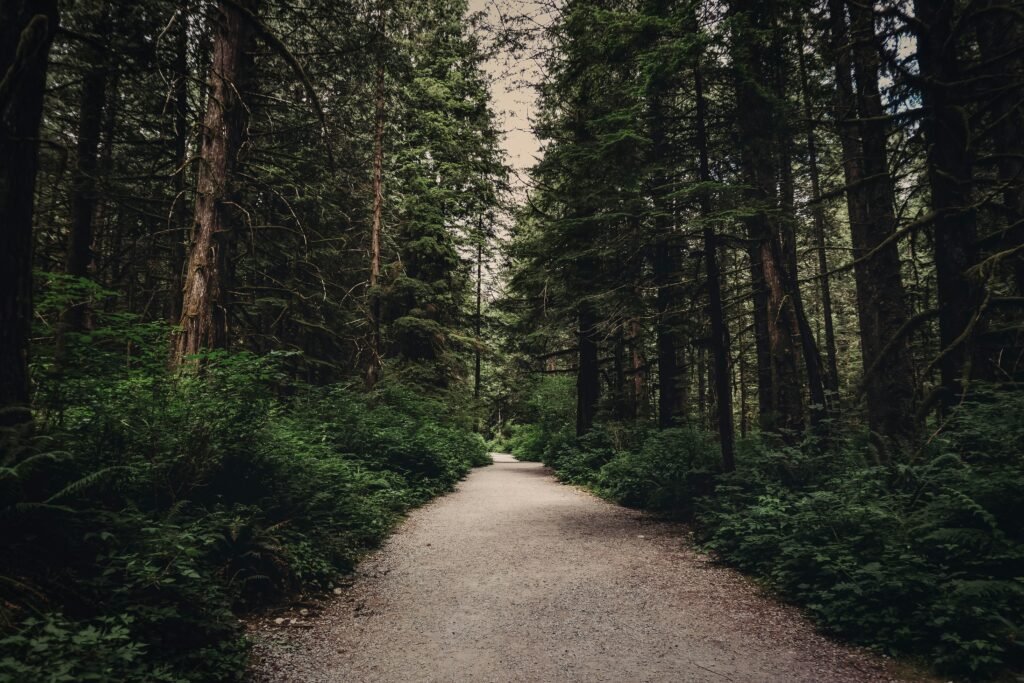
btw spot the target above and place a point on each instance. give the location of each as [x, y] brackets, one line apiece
[84, 483]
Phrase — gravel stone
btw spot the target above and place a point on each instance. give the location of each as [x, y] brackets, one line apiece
[515, 577]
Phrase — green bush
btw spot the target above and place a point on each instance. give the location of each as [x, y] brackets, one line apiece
[57, 650]
[550, 414]
[146, 509]
[923, 557]
[671, 469]
[579, 460]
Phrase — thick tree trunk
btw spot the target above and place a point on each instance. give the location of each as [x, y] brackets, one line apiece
[787, 399]
[888, 382]
[204, 316]
[588, 379]
[1000, 37]
[623, 405]
[26, 33]
[950, 177]
[664, 257]
[767, 409]
[890, 390]
[779, 391]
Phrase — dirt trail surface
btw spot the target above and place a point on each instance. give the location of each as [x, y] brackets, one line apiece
[515, 577]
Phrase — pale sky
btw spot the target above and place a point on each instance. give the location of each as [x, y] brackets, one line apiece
[512, 95]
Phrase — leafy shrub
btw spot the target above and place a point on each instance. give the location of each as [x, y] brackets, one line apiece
[578, 461]
[57, 650]
[151, 507]
[922, 557]
[672, 468]
[919, 558]
[550, 414]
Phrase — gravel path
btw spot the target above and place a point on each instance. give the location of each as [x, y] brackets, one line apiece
[515, 577]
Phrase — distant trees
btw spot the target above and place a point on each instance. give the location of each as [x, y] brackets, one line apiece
[720, 149]
[189, 164]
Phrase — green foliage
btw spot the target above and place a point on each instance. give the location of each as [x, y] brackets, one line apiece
[550, 412]
[921, 559]
[57, 650]
[142, 514]
[666, 474]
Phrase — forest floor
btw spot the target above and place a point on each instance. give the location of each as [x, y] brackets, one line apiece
[515, 577]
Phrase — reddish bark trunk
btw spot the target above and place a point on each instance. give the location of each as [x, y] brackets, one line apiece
[204, 315]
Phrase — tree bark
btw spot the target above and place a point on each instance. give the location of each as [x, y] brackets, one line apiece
[792, 303]
[588, 379]
[950, 177]
[831, 379]
[779, 394]
[664, 258]
[720, 342]
[204, 316]
[640, 393]
[478, 320]
[1000, 36]
[881, 308]
[374, 365]
[623, 405]
[670, 396]
[179, 226]
[890, 392]
[92, 101]
[26, 33]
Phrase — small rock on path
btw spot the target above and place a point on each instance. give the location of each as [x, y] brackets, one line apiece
[515, 577]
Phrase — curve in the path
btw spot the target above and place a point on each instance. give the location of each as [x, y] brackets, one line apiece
[515, 577]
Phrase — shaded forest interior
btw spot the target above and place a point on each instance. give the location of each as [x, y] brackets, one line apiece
[266, 284]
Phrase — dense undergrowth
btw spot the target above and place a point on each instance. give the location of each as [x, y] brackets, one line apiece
[922, 557]
[145, 510]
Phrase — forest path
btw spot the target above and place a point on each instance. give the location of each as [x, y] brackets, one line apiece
[515, 577]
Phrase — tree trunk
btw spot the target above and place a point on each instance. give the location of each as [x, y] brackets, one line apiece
[950, 177]
[623, 405]
[374, 365]
[831, 379]
[719, 330]
[669, 394]
[889, 382]
[779, 393]
[664, 259]
[1000, 35]
[26, 33]
[588, 380]
[478, 320]
[179, 226]
[890, 390]
[640, 395]
[204, 316]
[83, 179]
[786, 231]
